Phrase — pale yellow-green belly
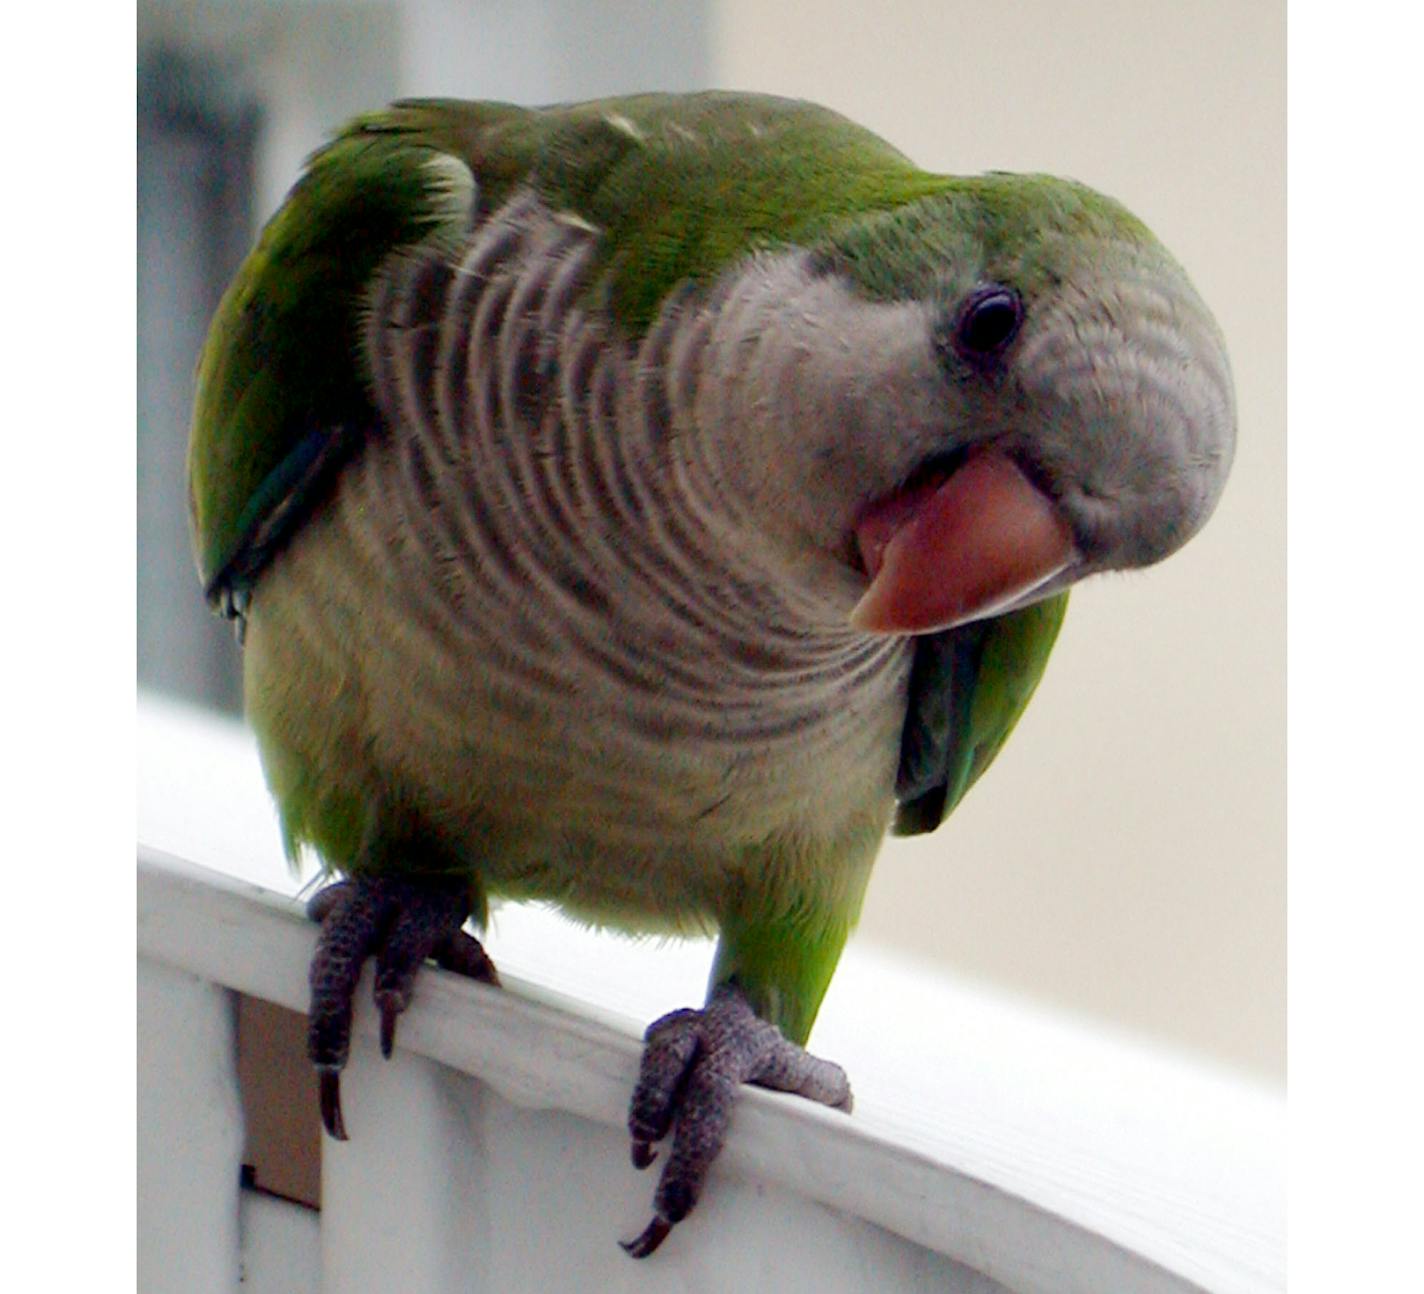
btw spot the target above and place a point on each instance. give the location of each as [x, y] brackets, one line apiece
[399, 732]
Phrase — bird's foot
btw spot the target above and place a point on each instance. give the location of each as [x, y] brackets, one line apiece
[693, 1063]
[400, 921]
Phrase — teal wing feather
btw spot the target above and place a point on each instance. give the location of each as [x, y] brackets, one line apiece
[678, 186]
[968, 687]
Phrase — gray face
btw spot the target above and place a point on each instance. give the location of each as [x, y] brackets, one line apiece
[1110, 387]
[1116, 396]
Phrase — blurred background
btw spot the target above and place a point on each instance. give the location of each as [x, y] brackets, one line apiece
[1125, 858]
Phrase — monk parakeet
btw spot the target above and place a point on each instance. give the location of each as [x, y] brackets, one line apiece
[643, 505]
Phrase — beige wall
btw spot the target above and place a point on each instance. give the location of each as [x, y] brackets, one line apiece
[1125, 856]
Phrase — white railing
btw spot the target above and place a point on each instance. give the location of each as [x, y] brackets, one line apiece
[993, 1147]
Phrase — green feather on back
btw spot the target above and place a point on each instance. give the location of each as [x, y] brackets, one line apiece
[679, 186]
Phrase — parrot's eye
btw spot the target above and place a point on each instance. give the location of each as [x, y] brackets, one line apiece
[988, 321]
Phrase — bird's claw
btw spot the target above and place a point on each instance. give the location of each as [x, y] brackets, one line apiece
[652, 1236]
[693, 1063]
[400, 922]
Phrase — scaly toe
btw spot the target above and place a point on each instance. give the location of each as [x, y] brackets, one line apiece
[401, 921]
[693, 1064]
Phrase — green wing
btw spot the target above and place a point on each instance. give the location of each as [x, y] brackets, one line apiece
[968, 687]
[281, 391]
[678, 186]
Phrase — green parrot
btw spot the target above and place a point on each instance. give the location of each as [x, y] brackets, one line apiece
[643, 505]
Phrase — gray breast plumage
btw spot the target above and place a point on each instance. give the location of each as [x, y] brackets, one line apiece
[530, 610]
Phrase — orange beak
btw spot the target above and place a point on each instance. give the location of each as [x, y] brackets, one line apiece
[947, 552]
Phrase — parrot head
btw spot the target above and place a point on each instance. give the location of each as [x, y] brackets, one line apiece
[1019, 384]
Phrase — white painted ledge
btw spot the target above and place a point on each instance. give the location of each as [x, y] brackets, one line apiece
[994, 1146]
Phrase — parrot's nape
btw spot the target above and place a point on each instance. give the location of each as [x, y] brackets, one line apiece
[639, 504]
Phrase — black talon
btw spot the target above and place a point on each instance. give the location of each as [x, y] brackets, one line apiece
[330, 1100]
[653, 1235]
[643, 1154]
[391, 1006]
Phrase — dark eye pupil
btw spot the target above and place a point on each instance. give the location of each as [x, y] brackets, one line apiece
[990, 319]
